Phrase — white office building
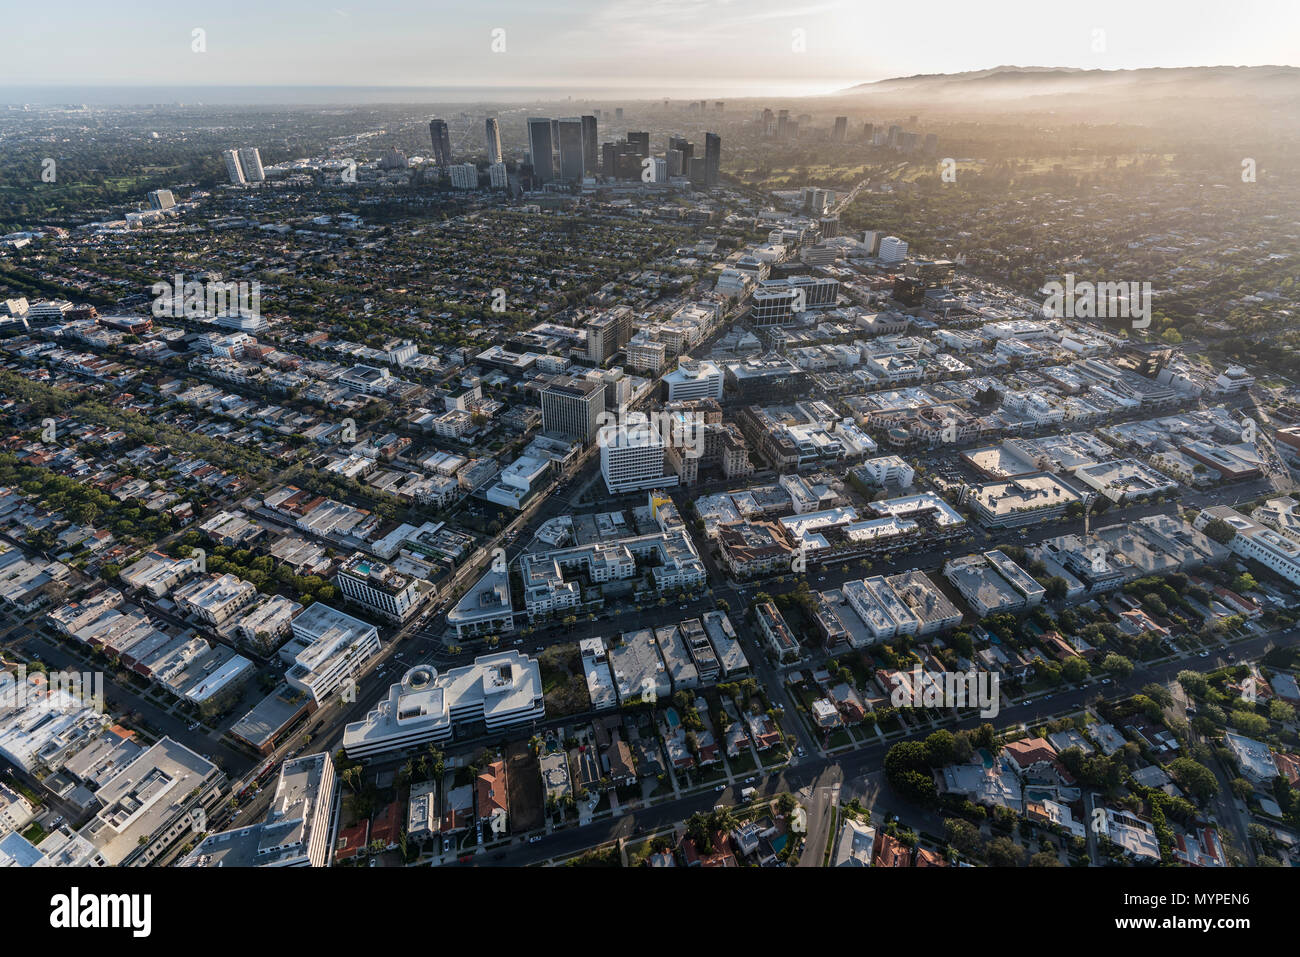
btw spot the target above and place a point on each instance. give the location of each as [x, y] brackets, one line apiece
[327, 647]
[376, 586]
[893, 249]
[499, 690]
[233, 170]
[632, 459]
[694, 379]
[463, 175]
[250, 161]
[497, 176]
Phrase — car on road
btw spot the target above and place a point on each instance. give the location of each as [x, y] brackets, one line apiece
[1204, 654]
[1105, 681]
[750, 780]
[720, 788]
[534, 839]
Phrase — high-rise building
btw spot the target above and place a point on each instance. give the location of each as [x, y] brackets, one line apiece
[540, 148]
[783, 124]
[893, 249]
[161, 199]
[497, 176]
[572, 407]
[590, 146]
[608, 333]
[640, 142]
[868, 132]
[712, 158]
[571, 152]
[840, 129]
[632, 458]
[618, 113]
[698, 172]
[441, 142]
[378, 588]
[464, 176]
[493, 139]
[233, 169]
[250, 160]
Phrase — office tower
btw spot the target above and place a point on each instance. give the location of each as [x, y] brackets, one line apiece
[698, 172]
[932, 143]
[868, 132]
[679, 156]
[250, 161]
[572, 407]
[590, 146]
[782, 124]
[161, 199]
[895, 134]
[639, 142]
[893, 249]
[497, 176]
[628, 164]
[712, 158]
[618, 113]
[609, 159]
[571, 157]
[840, 130]
[493, 140]
[233, 169]
[632, 458]
[767, 118]
[694, 379]
[608, 333]
[441, 142]
[539, 148]
[463, 176]
[660, 168]
[871, 241]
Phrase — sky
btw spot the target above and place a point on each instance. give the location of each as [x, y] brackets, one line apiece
[668, 47]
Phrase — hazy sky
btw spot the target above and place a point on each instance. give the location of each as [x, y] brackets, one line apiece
[727, 47]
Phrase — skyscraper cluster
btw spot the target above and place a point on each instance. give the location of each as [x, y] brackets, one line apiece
[566, 151]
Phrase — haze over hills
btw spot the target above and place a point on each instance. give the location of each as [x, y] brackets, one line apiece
[1015, 82]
